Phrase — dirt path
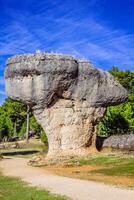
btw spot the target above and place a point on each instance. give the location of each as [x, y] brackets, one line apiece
[74, 188]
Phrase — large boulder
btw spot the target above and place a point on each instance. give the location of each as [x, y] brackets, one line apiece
[123, 142]
[68, 97]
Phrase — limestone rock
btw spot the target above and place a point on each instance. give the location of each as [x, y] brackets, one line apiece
[68, 97]
[125, 142]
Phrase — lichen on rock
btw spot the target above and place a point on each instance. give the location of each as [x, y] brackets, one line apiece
[68, 97]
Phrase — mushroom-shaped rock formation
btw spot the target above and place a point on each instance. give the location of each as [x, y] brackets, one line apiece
[68, 97]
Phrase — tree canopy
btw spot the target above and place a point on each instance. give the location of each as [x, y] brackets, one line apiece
[13, 119]
[120, 119]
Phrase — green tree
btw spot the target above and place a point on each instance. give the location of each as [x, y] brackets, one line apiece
[12, 115]
[14, 119]
[34, 126]
[120, 119]
[126, 79]
[3, 125]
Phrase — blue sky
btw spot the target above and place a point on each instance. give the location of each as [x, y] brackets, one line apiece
[99, 30]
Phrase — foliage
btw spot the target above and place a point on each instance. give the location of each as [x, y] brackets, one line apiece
[120, 119]
[43, 137]
[22, 130]
[12, 116]
[3, 125]
[34, 126]
[13, 120]
[125, 78]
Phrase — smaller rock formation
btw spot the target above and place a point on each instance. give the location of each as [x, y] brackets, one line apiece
[68, 97]
[122, 142]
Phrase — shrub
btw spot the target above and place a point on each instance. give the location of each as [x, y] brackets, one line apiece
[43, 137]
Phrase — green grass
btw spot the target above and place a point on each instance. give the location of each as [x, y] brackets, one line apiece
[32, 145]
[111, 165]
[98, 160]
[15, 189]
[126, 169]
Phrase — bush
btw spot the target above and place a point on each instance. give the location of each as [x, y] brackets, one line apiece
[115, 121]
[34, 126]
[22, 130]
[43, 137]
[120, 119]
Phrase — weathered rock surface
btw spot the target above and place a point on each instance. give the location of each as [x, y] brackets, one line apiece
[124, 142]
[68, 97]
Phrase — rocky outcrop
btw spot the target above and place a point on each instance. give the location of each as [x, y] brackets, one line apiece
[68, 97]
[123, 142]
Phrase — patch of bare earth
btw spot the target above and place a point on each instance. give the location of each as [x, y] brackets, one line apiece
[84, 172]
[76, 189]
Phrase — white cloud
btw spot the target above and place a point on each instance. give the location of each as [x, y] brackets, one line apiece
[2, 92]
[69, 33]
[2, 81]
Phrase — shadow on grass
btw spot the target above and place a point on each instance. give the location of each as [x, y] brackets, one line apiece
[14, 153]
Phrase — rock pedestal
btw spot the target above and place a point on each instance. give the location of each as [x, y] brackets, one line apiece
[68, 97]
[70, 126]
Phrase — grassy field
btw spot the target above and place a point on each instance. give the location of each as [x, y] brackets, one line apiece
[35, 144]
[117, 170]
[15, 189]
[33, 147]
[114, 166]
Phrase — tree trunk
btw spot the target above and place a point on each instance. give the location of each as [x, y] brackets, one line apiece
[27, 128]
